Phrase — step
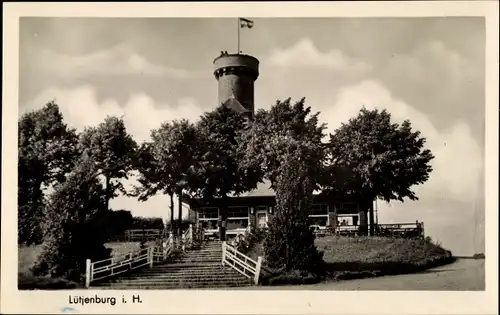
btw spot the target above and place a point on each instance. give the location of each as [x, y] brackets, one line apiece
[187, 265]
[180, 271]
[178, 284]
[199, 286]
[154, 281]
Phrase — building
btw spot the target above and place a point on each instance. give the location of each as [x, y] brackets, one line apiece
[236, 74]
[339, 213]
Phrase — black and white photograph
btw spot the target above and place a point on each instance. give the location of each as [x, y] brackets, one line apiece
[249, 153]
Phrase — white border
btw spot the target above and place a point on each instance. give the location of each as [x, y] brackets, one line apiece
[233, 302]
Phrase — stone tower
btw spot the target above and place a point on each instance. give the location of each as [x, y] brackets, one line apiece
[236, 74]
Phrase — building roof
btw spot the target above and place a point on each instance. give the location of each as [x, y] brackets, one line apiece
[235, 105]
[263, 189]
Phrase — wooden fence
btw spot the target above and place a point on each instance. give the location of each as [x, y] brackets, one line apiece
[241, 263]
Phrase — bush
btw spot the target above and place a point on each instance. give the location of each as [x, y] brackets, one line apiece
[27, 282]
[291, 277]
[147, 223]
[73, 220]
[252, 237]
[289, 243]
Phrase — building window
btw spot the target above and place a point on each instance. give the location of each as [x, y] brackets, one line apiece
[237, 212]
[237, 217]
[319, 209]
[319, 220]
[347, 208]
[208, 217]
[208, 213]
[318, 214]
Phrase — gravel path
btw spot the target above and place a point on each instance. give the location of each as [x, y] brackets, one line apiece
[463, 275]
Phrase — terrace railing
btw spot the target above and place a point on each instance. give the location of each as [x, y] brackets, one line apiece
[415, 229]
[110, 267]
[241, 263]
[137, 235]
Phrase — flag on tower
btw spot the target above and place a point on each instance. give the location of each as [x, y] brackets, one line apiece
[245, 23]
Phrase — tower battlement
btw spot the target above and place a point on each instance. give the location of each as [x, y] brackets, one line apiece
[236, 74]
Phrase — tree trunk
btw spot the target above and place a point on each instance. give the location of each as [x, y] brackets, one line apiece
[222, 216]
[107, 193]
[172, 222]
[179, 194]
[363, 218]
[372, 220]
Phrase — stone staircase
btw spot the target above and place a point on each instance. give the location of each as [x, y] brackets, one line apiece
[199, 267]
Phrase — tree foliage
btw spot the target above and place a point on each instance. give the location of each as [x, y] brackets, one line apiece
[285, 144]
[376, 158]
[285, 128]
[47, 151]
[168, 163]
[289, 243]
[113, 151]
[147, 223]
[73, 221]
[219, 171]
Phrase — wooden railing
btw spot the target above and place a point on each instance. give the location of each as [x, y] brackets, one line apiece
[164, 250]
[142, 234]
[187, 238]
[241, 263]
[110, 267]
[113, 266]
[415, 229]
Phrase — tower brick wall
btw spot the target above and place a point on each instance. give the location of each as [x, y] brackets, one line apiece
[236, 74]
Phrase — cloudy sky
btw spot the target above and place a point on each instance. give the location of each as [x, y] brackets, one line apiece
[428, 70]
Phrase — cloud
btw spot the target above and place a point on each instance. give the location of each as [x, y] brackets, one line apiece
[305, 54]
[141, 114]
[436, 78]
[451, 202]
[118, 61]
[457, 153]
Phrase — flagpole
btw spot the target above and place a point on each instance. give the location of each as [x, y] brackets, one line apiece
[239, 26]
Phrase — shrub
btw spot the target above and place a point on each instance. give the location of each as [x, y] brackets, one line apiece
[289, 243]
[73, 217]
[252, 237]
[27, 282]
[291, 277]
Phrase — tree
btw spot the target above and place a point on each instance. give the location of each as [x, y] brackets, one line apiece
[47, 151]
[73, 219]
[219, 173]
[113, 151]
[168, 162]
[375, 158]
[285, 144]
[148, 223]
[289, 243]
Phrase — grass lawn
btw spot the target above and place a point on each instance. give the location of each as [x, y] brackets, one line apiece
[362, 257]
[27, 257]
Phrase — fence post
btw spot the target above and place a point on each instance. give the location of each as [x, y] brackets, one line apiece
[183, 243]
[190, 235]
[151, 256]
[88, 273]
[164, 248]
[257, 270]
[223, 252]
